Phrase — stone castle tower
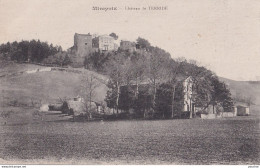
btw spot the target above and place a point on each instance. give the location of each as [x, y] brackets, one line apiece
[82, 44]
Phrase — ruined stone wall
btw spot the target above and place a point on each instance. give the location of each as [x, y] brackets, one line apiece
[127, 45]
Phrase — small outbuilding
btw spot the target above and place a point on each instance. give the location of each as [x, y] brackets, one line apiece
[77, 106]
[241, 109]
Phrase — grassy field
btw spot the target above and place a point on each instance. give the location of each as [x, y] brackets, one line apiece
[190, 141]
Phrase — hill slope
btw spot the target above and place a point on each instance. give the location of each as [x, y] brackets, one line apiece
[46, 87]
[244, 88]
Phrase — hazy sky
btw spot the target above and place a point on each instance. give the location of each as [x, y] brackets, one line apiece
[223, 35]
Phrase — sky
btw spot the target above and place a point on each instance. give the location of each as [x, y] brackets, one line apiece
[222, 35]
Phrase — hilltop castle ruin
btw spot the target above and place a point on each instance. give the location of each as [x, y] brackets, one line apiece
[85, 44]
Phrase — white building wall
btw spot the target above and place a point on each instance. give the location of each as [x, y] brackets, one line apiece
[106, 43]
[187, 86]
[247, 110]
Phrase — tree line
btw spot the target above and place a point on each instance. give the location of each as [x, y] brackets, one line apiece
[34, 51]
[147, 81]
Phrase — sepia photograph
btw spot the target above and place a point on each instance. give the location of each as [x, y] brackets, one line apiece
[128, 82]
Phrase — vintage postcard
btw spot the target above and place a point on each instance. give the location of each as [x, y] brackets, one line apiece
[120, 82]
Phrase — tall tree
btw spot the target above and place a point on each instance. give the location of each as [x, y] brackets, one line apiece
[137, 70]
[221, 95]
[60, 59]
[88, 91]
[143, 43]
[156, 73]
[113, 35]
[202, 83]
[172, 74]
[116, 69]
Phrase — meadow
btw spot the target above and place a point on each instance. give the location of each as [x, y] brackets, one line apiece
[184, 141]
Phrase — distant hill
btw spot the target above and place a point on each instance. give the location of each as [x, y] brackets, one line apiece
[244, 88]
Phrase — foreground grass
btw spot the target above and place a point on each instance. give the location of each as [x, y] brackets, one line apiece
[195, 141]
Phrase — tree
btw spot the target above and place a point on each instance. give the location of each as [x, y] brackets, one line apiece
[61, 59]
[221, 95]
[137, 70]
[143, 43]
[88, 91]
[136, 74]
[96, 61]
[201, 81]
[116, 69]
[156, 73]
[111, 96]
[66, 60]
[169, 104]
[113, 35]
[164, 99]
[172, 73]
[30, 51]
[207, 89]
